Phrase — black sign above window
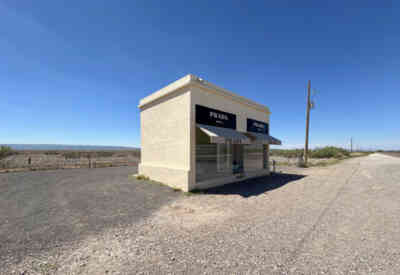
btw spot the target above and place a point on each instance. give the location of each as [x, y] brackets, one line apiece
[256, 126]
[208, 116]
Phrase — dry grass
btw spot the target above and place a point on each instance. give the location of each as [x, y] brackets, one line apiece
[28, 160]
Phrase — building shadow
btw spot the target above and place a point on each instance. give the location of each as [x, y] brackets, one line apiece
[255, 186]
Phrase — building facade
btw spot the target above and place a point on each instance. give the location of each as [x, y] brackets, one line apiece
[195, 135]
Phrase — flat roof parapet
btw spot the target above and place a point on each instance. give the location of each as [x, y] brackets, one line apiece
[191, 79]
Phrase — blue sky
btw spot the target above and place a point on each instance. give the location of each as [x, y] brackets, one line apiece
[73, 72]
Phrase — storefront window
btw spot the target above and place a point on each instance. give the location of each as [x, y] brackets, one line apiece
[253, 159]
[212, 160]
[220, 160]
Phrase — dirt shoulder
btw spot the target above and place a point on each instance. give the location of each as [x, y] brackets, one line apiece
[392, 154]
[308, 221]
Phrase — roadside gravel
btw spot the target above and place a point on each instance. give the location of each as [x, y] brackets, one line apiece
[45, 211]
[341, 219]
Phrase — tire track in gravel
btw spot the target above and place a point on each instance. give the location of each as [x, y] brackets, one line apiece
[291, 260]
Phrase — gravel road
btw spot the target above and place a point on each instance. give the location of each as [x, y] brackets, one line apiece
[341, 219]
[393, 154]
[44, 210]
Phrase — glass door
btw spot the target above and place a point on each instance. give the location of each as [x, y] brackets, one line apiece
[237, 158]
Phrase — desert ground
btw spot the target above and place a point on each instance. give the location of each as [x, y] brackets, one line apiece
[32, 160]
[340, 219]
[393, 154]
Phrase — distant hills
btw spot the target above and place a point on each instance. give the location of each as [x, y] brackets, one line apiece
[68, 147]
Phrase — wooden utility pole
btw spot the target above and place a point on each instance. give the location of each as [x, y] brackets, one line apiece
[307, 122]
[351, 145]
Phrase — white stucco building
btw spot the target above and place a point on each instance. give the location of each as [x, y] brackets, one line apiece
[196, 135]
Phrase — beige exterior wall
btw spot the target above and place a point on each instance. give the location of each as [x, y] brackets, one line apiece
[230, 179]
[168, 129]
[210, 98]
[165, 140]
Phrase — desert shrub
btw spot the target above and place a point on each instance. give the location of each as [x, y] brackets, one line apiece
[329, 152]
[51, 152]
[287, 153]
[6, 151]
[104, 154]
[142, 177]
[72, 154]
[325, 152]
[135, 153]
[96, 154]
[302, 165]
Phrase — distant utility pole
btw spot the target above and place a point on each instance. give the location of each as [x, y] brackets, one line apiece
[307, 122]
[351, 145]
